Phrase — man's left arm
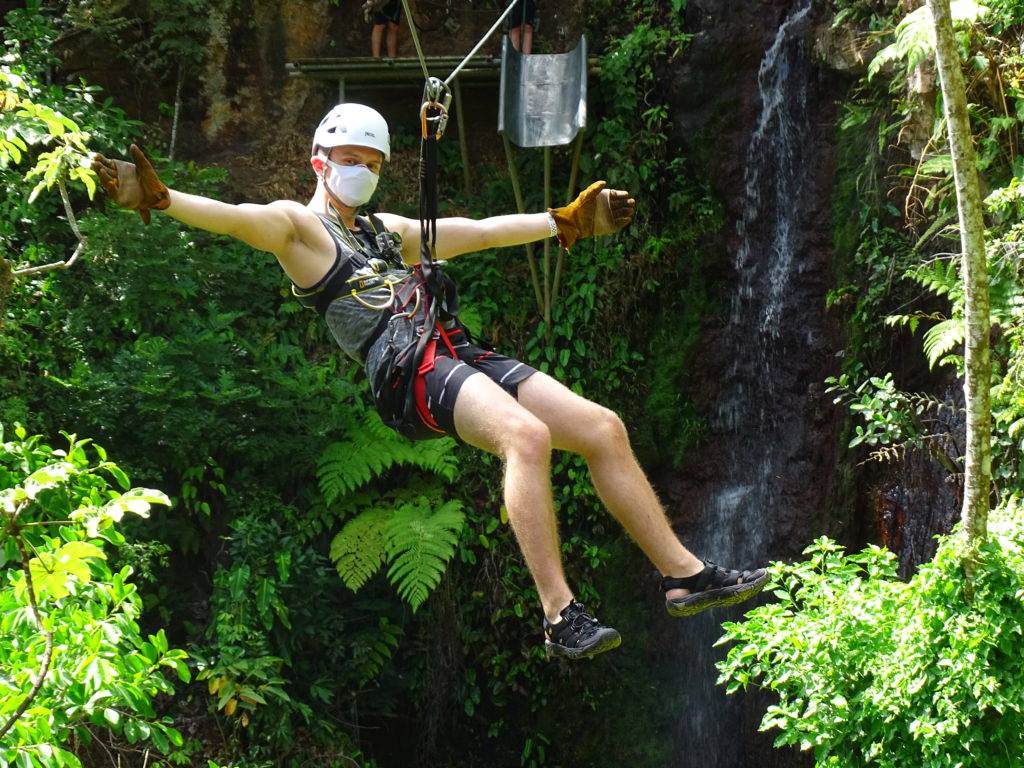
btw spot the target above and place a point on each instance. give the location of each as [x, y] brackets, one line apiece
[457, 235]
[596, 211]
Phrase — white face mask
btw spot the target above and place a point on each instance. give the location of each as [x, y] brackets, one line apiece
[352, 184]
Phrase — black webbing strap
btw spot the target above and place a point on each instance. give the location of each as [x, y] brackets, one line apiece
[428, 200]
[429, 117]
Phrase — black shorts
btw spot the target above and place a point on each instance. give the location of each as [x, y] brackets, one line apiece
[525, 12]
[389, 13]
[442, 384]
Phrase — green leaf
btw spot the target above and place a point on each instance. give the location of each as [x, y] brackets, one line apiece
[942, 338]
[49, 476]
[359, 549]
[420, 543]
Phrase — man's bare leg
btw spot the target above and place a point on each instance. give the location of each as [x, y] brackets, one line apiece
[513, 36]
[376, 37]
[596, 433]
[527, 39]
[487, 417]
[392, 40]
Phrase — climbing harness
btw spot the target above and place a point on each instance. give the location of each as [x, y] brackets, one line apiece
[399, 361]
[360, 273]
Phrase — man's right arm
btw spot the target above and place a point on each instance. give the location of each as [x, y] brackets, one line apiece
[274, 227]
[278, 227]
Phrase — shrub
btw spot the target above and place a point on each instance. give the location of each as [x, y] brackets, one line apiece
[870, 670]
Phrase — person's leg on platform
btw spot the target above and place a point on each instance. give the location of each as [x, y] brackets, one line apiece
[376, 37]
[392, 40]
[598, 434]
[527, 38]
[513, 36]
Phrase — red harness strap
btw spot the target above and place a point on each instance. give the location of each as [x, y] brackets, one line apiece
[429, 356]
[420, 386]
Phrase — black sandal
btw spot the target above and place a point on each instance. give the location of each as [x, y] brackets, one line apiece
[714, 586]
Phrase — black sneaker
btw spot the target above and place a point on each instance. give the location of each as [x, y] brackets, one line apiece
[578, 635]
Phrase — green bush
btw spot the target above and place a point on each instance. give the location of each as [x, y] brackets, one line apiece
[75, 664]
[873, 671]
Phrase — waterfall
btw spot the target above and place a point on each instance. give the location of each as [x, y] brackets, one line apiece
[758, 424]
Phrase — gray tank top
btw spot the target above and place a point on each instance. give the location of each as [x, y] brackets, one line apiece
[368, 285]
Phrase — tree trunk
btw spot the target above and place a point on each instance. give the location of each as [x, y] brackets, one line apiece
[177, 113]
[974, 269]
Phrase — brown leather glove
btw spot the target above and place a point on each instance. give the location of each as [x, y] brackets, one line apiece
[597, 211]
[132, 185]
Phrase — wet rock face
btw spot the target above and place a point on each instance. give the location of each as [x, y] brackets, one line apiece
[910, 501]
[752, 98]
[718, 105]
[245, 91]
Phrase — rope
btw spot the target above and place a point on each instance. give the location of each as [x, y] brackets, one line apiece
[469, 56]
[415, 39]
[433, 118]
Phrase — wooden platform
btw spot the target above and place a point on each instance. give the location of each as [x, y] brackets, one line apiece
[370, 72]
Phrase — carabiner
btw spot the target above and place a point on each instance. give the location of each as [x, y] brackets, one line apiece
[391, 299]
[436, 96]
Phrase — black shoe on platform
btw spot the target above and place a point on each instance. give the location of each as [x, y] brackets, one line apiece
[714, 586]
[578, 635]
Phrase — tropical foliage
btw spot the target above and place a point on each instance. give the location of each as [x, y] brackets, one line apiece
[78, 669]
[325, 577]
[871, 670]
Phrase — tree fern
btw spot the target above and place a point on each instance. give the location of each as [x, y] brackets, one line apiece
[915, 35]
[410, 528]
[373, 449]
[942, 338]
[420, 543]
[359, 549]
[407, 532]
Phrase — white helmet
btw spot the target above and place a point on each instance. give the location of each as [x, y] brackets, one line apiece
[354, 124]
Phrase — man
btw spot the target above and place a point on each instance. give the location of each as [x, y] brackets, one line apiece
[521, 23]
[343, 265]
[386, 17]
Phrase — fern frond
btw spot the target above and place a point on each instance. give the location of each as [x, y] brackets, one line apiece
[915, 35]
[372, 648]
[940, 276]
[911, 321]
[942, 338]
[342, 468]
[937, 165]
[887, 454]
[359, 549]
[438, 456]
[420, 542]
[372, 450]
[925, 403]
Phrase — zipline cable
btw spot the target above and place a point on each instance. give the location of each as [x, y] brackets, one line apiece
[437, 97]
[469, 56]
[479, 45]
